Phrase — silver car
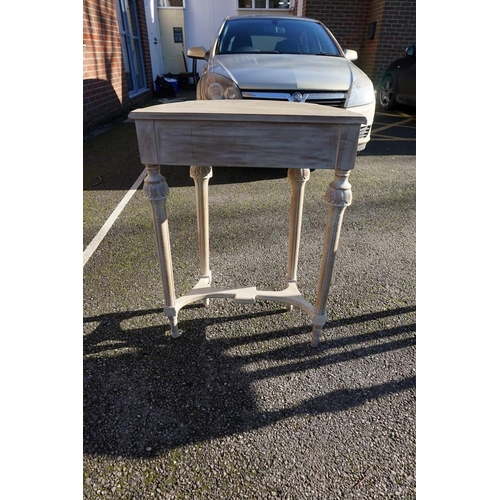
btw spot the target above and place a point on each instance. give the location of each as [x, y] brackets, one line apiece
[284, 58]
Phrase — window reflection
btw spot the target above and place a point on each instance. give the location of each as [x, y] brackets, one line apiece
[263, 4]
[170, 3]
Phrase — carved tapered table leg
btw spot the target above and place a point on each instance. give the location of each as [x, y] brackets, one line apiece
[298, 178]
[201, 176]
[338, 196]
[156, 192]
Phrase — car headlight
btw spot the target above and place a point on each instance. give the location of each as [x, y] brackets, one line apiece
[361, 92]
[215, 86]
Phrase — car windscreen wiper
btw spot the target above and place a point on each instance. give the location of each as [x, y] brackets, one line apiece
[325, 54]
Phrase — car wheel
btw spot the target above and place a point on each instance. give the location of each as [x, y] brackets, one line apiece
[386, 95]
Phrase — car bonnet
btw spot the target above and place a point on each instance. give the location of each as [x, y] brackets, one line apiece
[286, 71]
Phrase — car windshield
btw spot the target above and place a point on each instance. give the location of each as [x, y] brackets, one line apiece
[275, 36]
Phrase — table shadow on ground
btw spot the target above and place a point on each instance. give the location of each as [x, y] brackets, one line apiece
[146, 393]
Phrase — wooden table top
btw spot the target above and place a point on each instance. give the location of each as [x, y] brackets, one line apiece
[247, 110]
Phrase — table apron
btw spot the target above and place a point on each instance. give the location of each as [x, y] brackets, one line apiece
[252, 145]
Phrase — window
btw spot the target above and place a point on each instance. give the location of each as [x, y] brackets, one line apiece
[131, 45]
[170, 3]
[265, 4]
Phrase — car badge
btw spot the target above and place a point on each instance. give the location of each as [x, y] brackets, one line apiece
[297, 97]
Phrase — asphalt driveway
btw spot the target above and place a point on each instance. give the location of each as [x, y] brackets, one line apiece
[240, 405]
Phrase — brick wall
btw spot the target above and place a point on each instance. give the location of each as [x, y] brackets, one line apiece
[397, 30]
[349, 21]
[105, 90]
[368, 60]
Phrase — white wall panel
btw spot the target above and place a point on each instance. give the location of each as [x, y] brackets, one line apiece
[203, 19]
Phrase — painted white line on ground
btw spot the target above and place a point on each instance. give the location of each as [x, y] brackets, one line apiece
[111, 219]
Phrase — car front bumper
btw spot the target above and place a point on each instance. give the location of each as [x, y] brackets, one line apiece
[368, 111]
[333, 99]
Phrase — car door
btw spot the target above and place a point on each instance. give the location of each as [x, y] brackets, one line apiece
[407, 81]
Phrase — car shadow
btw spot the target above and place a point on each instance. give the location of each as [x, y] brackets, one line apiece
[145, 393]
[178, 176]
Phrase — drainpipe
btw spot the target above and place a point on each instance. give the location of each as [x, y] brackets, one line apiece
[299, 8]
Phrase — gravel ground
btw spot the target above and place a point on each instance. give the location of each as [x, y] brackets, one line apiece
[240, 406]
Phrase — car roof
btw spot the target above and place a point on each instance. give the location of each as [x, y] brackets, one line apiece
[269, 16]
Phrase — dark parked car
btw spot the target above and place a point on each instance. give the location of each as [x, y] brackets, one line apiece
[398, 83]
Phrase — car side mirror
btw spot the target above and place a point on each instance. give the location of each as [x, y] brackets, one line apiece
[198, 53]
[352, 55]
[411, 50]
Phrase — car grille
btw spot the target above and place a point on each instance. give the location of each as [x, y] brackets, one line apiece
[335, 99]
[364, 131]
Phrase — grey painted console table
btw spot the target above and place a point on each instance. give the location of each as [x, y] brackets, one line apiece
[249, 134]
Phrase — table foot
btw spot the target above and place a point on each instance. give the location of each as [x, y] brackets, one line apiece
[315, 335]
[171, 314]
[319, 321]
[173, 327]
